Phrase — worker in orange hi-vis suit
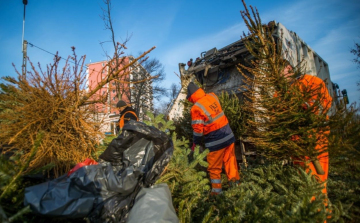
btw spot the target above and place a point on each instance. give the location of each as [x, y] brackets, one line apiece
[209, 121]
[319, 94]
[126, 113]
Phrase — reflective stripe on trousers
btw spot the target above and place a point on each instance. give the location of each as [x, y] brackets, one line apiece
[216, 185]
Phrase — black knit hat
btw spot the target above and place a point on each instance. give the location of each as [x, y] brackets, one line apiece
[120, 104]
[192, 87]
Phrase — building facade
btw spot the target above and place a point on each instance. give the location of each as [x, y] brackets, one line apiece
[133, 86]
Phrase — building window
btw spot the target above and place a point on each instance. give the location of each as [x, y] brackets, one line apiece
[113, 91]
[114, 98]
[103, 64]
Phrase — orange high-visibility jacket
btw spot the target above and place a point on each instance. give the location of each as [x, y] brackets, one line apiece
[318, 89]
[209, 120]
[320, 95]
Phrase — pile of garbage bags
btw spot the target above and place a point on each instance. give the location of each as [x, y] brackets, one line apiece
[106, 192]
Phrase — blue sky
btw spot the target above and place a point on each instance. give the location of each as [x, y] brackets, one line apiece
[179, 29]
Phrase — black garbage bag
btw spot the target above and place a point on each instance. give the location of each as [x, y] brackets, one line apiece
[106, 192]
[153, 204]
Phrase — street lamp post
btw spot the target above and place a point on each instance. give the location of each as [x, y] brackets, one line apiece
[24, 42]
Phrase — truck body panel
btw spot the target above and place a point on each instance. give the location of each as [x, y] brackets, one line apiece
[217, 70]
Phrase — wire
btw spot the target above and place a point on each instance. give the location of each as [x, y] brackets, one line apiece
[32, 45]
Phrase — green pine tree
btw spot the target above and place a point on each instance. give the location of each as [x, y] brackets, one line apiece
[12, 185]
[185, 173]
[344, 148]
[234, 111]
[269, 193]
[275, 103]
[159, 122]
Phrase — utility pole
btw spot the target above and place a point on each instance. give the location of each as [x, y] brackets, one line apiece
[24, 43]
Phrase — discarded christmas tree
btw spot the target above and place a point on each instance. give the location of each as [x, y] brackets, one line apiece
[281, 126]
[344, 148]
[57, 102]
[11, 184]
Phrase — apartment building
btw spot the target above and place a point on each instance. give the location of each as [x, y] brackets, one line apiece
[134, 88]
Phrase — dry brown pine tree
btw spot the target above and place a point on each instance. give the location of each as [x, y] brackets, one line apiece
[56, 102]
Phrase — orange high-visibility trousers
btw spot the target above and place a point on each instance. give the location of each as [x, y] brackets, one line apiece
[323, 158]
[217, 159]
[324, 162]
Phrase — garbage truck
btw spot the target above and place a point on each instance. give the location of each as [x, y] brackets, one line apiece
[216, 69]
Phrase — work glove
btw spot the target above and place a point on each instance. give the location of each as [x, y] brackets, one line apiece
[193, 147]
[304, 106]
[295, 138]
[318, 167]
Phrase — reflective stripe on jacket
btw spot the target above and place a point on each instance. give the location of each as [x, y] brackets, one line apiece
[209, 120]
[123, 119]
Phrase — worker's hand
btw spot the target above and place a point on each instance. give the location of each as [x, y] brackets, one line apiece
[304, 107]
[193, 147]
